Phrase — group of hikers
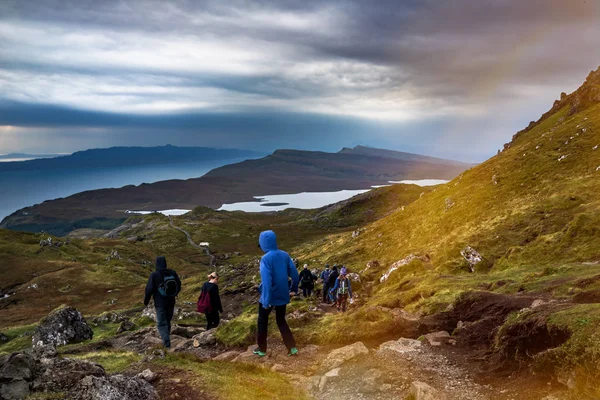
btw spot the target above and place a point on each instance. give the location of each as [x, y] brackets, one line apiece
[280, 281]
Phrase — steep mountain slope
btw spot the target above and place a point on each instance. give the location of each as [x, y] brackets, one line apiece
[285, 171]
[532, 215]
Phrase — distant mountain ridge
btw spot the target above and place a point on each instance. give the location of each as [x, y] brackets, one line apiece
[399, 155]
[128, 156]
[283, 172]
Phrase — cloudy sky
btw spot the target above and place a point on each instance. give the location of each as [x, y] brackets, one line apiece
[453, 78]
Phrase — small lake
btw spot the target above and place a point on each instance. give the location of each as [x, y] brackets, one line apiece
[310, 200]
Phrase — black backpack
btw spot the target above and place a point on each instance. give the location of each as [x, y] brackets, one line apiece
[168, 286]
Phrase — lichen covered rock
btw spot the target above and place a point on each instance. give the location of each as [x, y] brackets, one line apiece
[62, 326]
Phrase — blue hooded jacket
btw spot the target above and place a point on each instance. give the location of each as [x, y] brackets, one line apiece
[276, 266]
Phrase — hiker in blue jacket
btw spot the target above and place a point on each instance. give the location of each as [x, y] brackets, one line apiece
[324, 278]
[342, 288]
[164, 285]
[276, 267]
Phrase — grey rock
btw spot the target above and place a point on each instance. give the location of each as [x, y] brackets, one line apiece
[334, 373]
[117, 387]
[227, 356]
[207, 338]
[402, 346]
[437, 338]
[422, 391]
[109, 317]
[147, 375]
[18, 366]
[339, 356]
[126, 326]
[61, 374]
[14, 390]
[45, 351]
[186, 332]
[63, 326]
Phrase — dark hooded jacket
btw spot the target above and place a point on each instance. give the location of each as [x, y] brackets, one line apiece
[333, 277]
[155, 280]
[276, 266]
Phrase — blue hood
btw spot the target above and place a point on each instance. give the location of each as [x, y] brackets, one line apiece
[161, 263]
[268, 241]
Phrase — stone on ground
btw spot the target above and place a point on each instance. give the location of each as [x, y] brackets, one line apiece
[334, 373]
[339, 356]
[227, 356]
[401, 346]
[422, 391]
[62, 326]
[125, 326]
[147, 375]
[207, 338]
[437, 338]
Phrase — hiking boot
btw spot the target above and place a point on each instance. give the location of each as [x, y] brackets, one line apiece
[259, 353]
[293, 352]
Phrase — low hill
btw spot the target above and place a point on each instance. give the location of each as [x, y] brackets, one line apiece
[523, 225]
[283, 172]
[127, 156]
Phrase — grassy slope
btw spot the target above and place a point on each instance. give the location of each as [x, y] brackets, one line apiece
[532, 211]
[79, 274]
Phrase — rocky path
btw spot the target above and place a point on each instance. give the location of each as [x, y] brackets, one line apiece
[194, 244]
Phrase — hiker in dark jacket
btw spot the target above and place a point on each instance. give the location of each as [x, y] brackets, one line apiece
[164, 285]
[331, 283]
[307, 281]
[212, 290]
[276, 267]
[324, 277]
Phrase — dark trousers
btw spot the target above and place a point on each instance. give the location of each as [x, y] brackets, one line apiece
[325, 293]
[342, 301]
[307, 291]
[212, 320]
[163, 322]
[263, 327]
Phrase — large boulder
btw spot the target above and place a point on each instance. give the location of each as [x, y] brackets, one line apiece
[61, 374]
[117, 387]
[17, 389]
[17, 366]
[339, 356]
[62, 326]
[16, 372]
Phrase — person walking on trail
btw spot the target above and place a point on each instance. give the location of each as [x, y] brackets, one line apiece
[307, 281]
[324, 277]
[164, 285]
[276, 267]
[331, 283]
[209, 301]
[343, 289]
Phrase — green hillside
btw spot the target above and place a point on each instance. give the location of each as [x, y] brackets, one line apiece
[533, 214]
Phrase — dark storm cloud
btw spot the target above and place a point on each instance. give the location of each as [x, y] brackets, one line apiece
[380, 72]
